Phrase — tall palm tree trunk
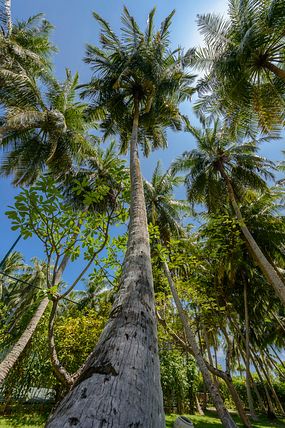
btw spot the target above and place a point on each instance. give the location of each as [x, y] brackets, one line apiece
[268, 270]
[223, 414]
[10, 360]
[121, 384]
[279, 72]
[8, 16]
[247, 355]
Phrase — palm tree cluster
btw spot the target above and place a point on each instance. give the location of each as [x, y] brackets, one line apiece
[194, 277]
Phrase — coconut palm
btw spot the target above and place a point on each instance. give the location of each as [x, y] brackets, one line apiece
[27, 293]
[102, 175]
[244, 60]
[9, 266]
[161, 206]
[136, 89]
[40, 130]
[25, 48]
[164, 211]
[223, 166]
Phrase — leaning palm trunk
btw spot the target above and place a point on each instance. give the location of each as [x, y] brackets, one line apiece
[247, 355]
[10, 360]
[268, 270]
[279, 72]
[12, 357]
[223, 414]
[121, 384]
[8, 16]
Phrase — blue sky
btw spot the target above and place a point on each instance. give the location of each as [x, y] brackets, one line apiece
[74, 27]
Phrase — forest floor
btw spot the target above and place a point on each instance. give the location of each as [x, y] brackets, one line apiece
[36, 420]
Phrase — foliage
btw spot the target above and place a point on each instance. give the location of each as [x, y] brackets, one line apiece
[178, 379]
[137, 67]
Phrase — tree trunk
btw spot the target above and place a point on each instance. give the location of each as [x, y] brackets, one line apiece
[120, 387]
[198, 406]
[8, 16]
[247, 355]
[12, 357]
[279, 72]
[269, 272]
[236, 398]
[223, 414]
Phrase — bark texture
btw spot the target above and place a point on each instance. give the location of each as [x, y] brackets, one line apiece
[120, 387]
[12, 357]
[223, 414]
[268, 270]
[8, 16]
[279, 72]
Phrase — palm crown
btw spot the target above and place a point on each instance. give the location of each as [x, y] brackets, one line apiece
[218, 151]
[163, 209]
[137, 68]
[41, 128]
[244, 57]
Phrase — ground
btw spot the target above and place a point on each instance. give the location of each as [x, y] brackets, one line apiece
[210, 421]
[34, 420]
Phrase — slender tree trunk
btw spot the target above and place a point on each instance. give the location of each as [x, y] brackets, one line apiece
[269, 271]
[247, 355]
[270, 410]
[198, 406]
[11, 359]
[279, 72]
[8, 16]
[277, 356]
[19, 347]
[120, 387]
[236, 398]
[242, 356]
[264, 369]
[223, 414]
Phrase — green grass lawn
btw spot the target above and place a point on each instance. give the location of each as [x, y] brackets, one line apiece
[210, 421]
[35, 420]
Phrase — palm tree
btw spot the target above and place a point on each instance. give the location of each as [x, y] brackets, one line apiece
[244, 60]
[5, 16]
[104, 170]
[161, 206]
[223, 165]
[25, 295]
[39, 130]
[164, 212]
[136, 89]
[12, 263]
[25, 49]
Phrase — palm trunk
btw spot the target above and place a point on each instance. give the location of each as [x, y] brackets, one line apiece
[10, 360]
[8, 16]
[223, 414]
[279, 72]
[269, 272]
[247, 355]
[121, 384]
[233, 392]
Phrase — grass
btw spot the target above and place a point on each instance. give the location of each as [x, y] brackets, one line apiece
[23, 421]
[210, 421]
[36, 420]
